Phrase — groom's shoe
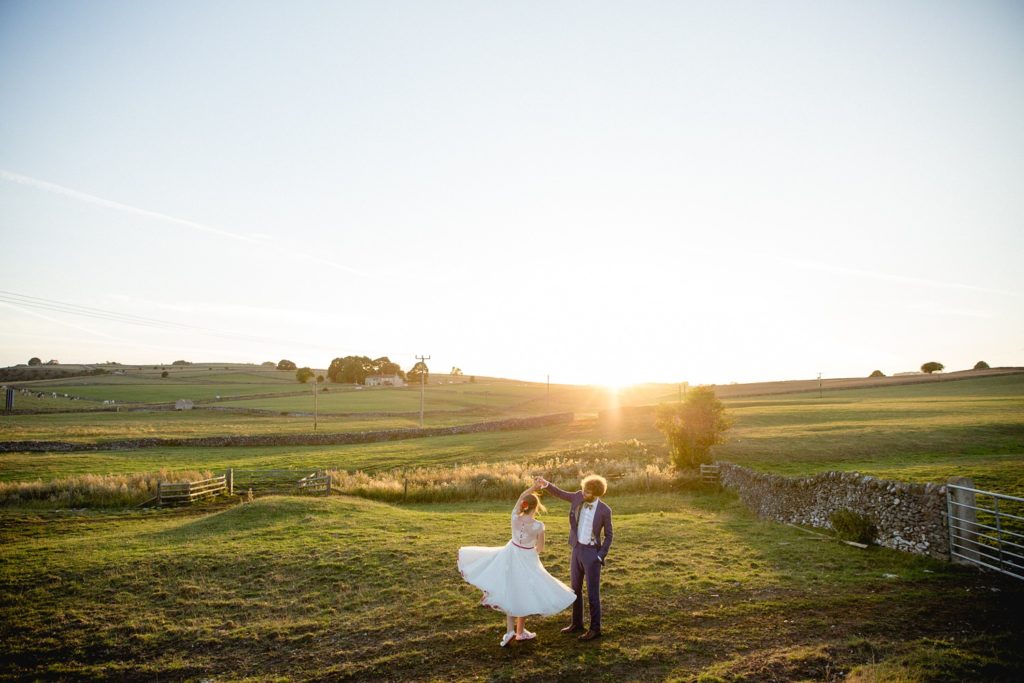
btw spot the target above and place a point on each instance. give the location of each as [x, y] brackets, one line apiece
[591, 635]
[572, 628]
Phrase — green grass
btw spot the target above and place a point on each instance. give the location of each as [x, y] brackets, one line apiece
[914, 433]
[469, 448]
[389, 399]
[96, 427]
[927, 432]
[348, 589]
[696, 588]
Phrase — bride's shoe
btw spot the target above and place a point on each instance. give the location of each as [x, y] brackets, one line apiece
[507, 637]
[526, 635]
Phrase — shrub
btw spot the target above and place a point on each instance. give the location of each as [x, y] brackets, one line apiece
[164, 374]
[628, 465]
[91, 490]
[981, 365]
[877, 373]
[693, 426]
[851, 526]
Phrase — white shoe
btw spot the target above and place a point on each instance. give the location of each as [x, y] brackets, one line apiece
[507, 637]
[526, 635]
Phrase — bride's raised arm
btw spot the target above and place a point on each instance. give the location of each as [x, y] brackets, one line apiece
[522, 495]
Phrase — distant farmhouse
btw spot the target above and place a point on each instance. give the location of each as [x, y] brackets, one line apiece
[384, 381]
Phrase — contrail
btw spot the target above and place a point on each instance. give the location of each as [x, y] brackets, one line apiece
[905, 279]
[154, 215]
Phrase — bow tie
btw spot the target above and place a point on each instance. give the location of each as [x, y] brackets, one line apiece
[587, 506]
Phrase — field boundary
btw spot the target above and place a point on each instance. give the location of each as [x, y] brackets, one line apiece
[907, 516]
[335, 439]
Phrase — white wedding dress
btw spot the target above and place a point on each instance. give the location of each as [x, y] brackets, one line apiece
[511, 576]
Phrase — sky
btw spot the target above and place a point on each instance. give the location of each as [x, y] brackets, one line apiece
[591, 192]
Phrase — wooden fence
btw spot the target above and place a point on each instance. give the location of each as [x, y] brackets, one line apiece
[709, 474]
[290, 481]
[174, 493]
[252, 481]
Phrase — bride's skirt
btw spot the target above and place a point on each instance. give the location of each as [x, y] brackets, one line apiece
[514, 580]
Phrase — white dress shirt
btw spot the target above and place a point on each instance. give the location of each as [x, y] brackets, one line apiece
[585, 524]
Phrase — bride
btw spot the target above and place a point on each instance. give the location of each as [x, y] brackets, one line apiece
[512, 577]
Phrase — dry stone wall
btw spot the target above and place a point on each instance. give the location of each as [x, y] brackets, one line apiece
[909, 517]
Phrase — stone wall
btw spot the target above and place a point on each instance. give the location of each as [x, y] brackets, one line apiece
[909, 517]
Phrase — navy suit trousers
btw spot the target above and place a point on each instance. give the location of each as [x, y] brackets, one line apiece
[585, 565]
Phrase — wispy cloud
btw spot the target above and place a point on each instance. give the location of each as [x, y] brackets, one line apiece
[890, 277]
[80, 328]
[255, 239]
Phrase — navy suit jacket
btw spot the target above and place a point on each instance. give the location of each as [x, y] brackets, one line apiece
[602, 527]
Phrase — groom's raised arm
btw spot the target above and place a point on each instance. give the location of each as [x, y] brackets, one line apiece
[555, 491]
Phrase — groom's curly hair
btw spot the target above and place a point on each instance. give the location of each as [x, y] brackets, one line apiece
[595, 483]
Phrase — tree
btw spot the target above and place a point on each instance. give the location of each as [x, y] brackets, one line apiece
[456, 371]
[877, 373]
[181, 362]
[693, 426]
[53, 361]
[419, 369]
[284, 364]
[268, 364]
[164, 374]
[304, 375]
[320, 380]
[383, 366]
[35, 361]
[350, 369]
[981, 365]
[355, 369]
[932, 366]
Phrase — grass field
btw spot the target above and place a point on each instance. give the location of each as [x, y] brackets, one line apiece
[96, 427]
[347, 589]
[913, 433]
[484, 447]
[926, 432]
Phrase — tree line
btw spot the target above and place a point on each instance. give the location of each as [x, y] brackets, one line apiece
[356, 369]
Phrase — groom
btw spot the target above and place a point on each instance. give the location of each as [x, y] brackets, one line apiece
[590, 537]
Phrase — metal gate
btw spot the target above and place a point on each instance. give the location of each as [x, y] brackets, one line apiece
[986, 528]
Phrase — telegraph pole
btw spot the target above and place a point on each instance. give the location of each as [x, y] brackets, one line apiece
[423, 360]
[314, 402]
[819, 385]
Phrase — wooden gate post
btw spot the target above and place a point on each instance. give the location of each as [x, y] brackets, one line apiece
[229, 480]
[159, 500]
[963, 531]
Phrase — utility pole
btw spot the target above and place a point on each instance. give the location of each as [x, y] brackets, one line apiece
[819, 385]
[314, 403]
[423, 374]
